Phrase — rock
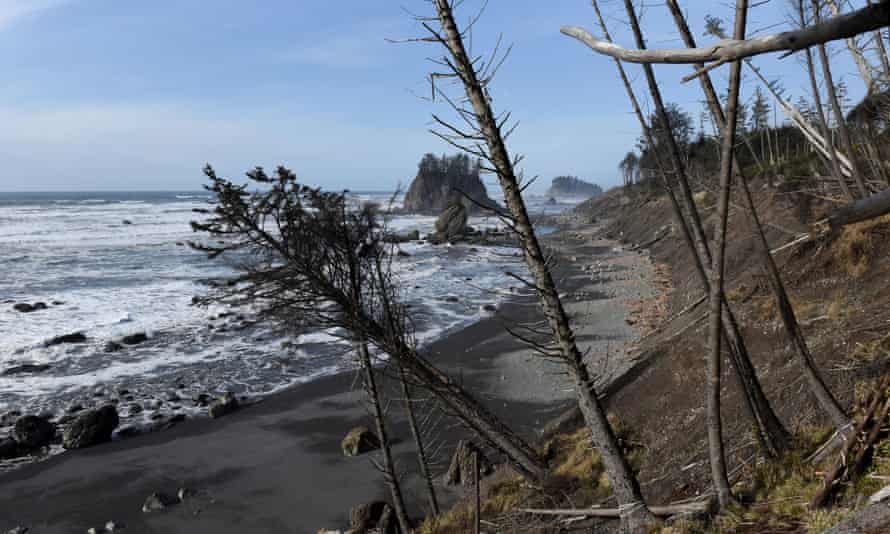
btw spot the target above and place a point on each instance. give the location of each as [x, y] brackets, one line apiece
[113, 346]
[491, 308]
[552, 201]
[202, 400]
[93, 530]
[366, 516]
[76, 337]
[24, 307]
[9, 417]
[74, 408]
[126, 222]
[135, 408]
[443, 181]
[402, 254]
[574, 187]
[461, 469]
[413, 235]
[358, 441]
[185, 493]
[32, 432]
[135, 339]
[17, 530]
[224, 405]
[25, 368]
[9, 448]
[91, 428]
[158, 501]
[452, 222]
[451, 298]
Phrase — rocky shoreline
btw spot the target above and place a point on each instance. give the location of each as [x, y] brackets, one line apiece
[301, 428]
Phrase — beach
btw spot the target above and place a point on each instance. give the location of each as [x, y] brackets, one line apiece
[276, 466]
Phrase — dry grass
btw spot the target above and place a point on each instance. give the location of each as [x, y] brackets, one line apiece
[874, 350]
[854, 248]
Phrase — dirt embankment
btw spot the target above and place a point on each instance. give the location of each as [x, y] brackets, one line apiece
[839, 287]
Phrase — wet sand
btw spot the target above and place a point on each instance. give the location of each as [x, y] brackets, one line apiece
[276, 466]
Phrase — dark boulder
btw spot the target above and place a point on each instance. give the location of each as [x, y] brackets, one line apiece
[113, 346]
[413, 235]
[224, 405]
[9, 448]
[358, 441]
[91, 428]
[24, 307]
[135, 339]
[461, 469]
[77, 337]
[158, 501]
[32, 432]
[452, 222]
[25, 368]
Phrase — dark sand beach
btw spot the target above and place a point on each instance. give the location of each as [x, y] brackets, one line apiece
[276, 466]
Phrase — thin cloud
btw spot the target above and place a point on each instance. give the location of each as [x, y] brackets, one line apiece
[13, 10]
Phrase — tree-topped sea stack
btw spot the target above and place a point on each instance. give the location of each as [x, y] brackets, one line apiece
[441, 182]
[571, 186]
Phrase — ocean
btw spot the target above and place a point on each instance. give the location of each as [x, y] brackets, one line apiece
[113, 264]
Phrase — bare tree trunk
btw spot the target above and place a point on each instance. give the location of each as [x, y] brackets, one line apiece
[833, 158]
[771, 432]
[636, 517]
[846, 139]
[418, 443]
[865, 70]
[786, 312]
[727, 152]
[882, 51]
[389, 470]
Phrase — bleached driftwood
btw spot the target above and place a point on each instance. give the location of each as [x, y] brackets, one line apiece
[696, 507]
[863, 20]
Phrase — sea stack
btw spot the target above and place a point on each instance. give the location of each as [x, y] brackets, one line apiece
[441, 182]
[572, 186]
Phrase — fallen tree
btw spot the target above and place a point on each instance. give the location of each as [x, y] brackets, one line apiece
[863, 20]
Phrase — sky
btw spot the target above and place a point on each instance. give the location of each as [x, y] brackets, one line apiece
[129, 95]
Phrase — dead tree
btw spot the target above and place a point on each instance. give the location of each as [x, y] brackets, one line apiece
[843, 130]
[417, 433]
[863, 20]
[305, 246]
[387, 467]
[770, 432]
[857, 52]
[834, 160]
[814, 379]
[486, 140]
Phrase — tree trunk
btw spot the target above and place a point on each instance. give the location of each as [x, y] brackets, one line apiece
[842, 129]
[771, 432]
[389, 469]
[861, 210]
[865, 70]
[637, 517]
[417, 433]
[786, 312]
[727, 152]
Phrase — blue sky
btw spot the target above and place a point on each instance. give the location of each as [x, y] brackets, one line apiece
[129, 95]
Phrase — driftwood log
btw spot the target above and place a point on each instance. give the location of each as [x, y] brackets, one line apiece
[696, 507]
[845, 468]
[863, 20]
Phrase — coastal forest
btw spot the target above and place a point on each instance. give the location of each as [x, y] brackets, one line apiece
[758, 397]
